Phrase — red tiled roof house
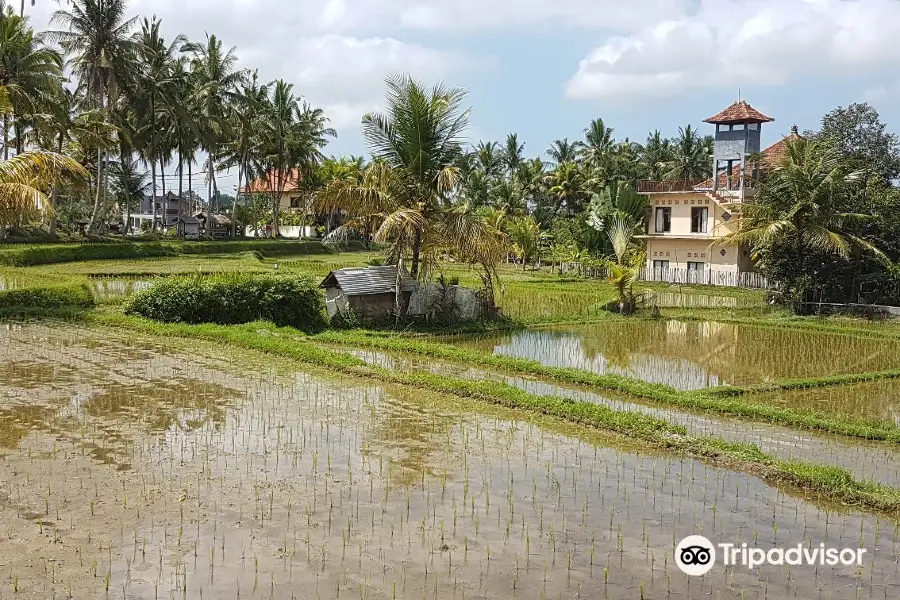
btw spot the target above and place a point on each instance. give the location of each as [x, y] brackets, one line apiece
[688, 216]
[290, 198]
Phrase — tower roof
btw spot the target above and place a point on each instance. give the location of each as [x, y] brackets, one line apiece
[739, 112]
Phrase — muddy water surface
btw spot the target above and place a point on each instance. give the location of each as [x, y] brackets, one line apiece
[152, 470]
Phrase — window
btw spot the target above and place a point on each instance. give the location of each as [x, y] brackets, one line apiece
[753, 126]
[663, 220]
[660, 266]
[696, 266]
[738, 127]
[699, 218]
[295, 201]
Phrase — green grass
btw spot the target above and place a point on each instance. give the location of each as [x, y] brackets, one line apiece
[62, 253]
[830, 482]
[45, 298]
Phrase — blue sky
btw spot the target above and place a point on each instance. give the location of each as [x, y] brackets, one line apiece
[545, 68]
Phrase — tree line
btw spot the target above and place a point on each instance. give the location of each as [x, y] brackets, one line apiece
[136, 99]
[824, 224]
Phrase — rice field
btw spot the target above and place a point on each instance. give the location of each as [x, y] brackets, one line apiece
[143, 467]
[690, 355]
[866, 460]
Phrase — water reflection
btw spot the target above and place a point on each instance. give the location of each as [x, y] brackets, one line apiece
[692, 355]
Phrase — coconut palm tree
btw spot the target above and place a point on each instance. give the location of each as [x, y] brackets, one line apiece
[186, 130]
[157, 91]
[23, 179]
[598, 143]
[405, 193]
[59, 125]
[566, 187]
[291, 136]
[513, 154]
[100, 50]
[130, 183]
[802, 200]
[489, 158]
[246, 113]
[690, 156]
[215, 76]
[656, 152]
[562, 151]
[30, 73]
[525, 235]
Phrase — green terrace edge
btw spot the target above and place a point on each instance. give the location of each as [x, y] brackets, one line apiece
[726, 400]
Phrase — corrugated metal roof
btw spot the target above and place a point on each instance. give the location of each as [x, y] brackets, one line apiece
[368, 280]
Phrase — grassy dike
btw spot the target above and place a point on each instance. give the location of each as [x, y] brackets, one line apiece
[44, 254]
[726, 400]
[831, 483]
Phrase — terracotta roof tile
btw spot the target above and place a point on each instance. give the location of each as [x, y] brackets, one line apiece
[739, 112]
[260, 185]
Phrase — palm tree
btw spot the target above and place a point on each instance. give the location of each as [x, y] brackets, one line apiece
[800, 202]
[97, 41]
[690, 156]
[657, 151]
[598, 143]
[129, 183]
[562, 151]
[531, 176]
[488, 158]
[157, 92]
[186, 130]
[216, 77]
[291, 137]
[513, 154]
[405, 194]
[566, 186]
[30, 72]
[525, 235]
[245, 113]
[58, 126]
[22, 181]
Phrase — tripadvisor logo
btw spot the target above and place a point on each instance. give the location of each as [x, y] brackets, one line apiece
[696, 555]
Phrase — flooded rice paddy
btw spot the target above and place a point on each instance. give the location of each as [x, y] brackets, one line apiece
[691, 355]
[139, 468]
[866, 460]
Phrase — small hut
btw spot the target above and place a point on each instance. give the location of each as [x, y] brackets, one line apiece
[370, 293]
[188, 227]
[218, 226]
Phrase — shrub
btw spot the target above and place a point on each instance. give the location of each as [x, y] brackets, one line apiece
[60, 253]
[231, 299]
[39, 298]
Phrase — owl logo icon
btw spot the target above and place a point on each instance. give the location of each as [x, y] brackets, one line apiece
[695, 555]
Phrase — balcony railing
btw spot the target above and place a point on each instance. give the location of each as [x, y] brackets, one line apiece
[667, 186]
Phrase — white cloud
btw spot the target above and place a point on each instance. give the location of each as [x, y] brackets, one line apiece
[304, 43]
[729, 43]
[496, 14]
[883, 93]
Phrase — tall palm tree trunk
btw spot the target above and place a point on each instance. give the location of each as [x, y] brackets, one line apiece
[99, 183]
[235, 203]
[416, 251]
[54, 193]
[209, 168]
[153, 188]
[180, 182]
[162, 181]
